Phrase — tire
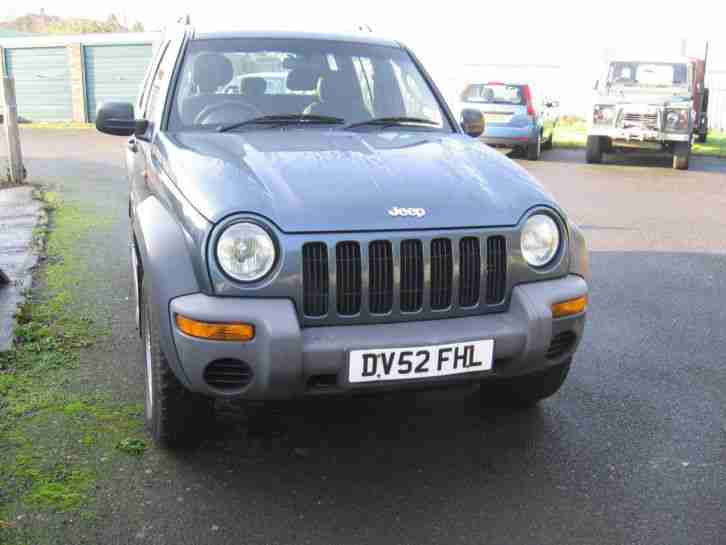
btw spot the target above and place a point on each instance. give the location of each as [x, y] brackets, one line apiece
[535, 150]
[175, 417]
[595, 149]
[548, 144]
[681, 155]
[524, 391]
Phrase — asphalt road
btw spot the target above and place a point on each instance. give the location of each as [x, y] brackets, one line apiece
[631, 451]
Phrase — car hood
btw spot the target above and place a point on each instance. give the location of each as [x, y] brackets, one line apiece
[306, 180]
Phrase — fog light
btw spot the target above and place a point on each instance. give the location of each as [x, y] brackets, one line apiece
[569, 308]
[215, 331]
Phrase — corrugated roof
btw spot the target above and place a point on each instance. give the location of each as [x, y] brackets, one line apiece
[52, 40]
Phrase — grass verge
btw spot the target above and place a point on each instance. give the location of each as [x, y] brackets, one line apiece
[55, 442]
[574, 135]
[58, 125]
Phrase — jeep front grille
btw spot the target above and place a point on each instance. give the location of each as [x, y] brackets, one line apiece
[391, 280]
[648, 121]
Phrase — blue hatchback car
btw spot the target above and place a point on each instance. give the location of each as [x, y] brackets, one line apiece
[515, 118]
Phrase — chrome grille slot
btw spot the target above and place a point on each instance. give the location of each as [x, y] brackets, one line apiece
[315, 279]
[442, 270]
[412, 275]
[348, 265]
[469, 271]
[380, 277]
[496, 269]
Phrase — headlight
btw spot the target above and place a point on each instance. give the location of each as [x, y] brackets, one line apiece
[245, 252]
[603, 114]
[540, 240]
[677, 120]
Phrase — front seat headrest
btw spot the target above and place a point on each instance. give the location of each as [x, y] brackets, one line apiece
[302, 79]
[334, 84]
[211, 71]
[254, 87]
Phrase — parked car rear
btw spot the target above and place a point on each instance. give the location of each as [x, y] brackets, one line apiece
[515, 117]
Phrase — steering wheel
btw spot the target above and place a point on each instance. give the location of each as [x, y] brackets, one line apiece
[225, 112]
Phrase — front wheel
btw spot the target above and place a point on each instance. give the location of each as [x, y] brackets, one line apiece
[595, 149]
[534, 150]
[175, 417]
[681, 155]
[526, 390]
[548, 144]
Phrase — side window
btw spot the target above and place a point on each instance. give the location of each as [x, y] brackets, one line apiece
[148, 77]
[160, 83]
[417, 101]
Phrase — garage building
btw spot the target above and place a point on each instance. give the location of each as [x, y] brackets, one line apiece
[66, 78]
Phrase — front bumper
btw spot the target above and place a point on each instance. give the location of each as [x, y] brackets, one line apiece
[635, 136]
[288, 361]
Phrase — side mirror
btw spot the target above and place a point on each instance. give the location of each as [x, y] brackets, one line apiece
[594, 87]
[117, 118]
[472, 121]
[553, 104]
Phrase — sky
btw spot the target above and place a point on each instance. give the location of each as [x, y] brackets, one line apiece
[460, 41]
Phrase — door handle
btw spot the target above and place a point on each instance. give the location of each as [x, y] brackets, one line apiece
[133, 146]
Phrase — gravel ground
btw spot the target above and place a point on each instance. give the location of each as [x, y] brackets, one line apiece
[631, 451]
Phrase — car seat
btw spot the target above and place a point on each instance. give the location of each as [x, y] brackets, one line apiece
[339, 96]
[210, 72]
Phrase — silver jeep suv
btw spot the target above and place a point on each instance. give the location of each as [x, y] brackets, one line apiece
[338, 234]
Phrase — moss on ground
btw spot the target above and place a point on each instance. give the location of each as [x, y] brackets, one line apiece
[54, 442]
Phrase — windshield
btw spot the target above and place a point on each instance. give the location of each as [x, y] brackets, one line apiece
[495, 93]
[648, 74]
[225, 82]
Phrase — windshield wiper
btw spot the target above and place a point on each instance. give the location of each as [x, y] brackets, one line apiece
[285, 119]
[390, 121]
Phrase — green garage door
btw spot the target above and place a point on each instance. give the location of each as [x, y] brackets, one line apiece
[42, 82]
[114, 73]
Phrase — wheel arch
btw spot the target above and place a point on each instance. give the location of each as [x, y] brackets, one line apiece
[166, 265]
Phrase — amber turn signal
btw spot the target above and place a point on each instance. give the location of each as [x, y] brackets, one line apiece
[215, 331]
[569, 308]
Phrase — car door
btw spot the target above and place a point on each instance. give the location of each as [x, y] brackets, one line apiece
[144, 170]
[135, 158]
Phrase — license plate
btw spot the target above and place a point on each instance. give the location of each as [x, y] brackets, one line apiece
[497, 118]
[379, 364]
